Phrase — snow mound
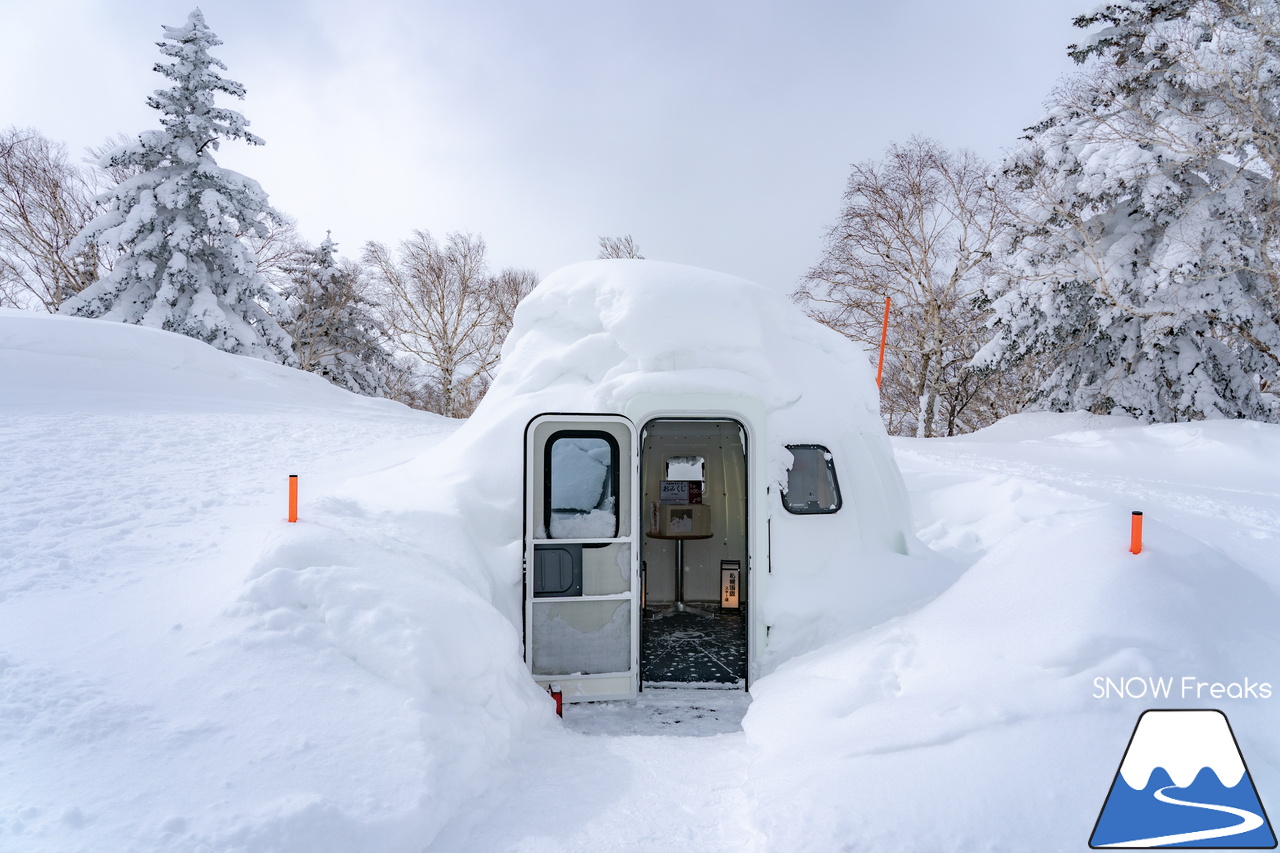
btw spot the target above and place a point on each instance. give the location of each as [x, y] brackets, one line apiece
[971, 517]
[989, 688]
[71, 364]
[976, 721]
[606, 336]
[1033, 426]
[184, 670]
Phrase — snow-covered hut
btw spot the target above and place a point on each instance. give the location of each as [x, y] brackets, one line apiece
[704, 467]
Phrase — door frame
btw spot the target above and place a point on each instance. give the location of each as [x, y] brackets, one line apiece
[747, 577]
[578, 687]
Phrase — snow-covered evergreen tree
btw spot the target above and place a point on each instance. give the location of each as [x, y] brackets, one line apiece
[332, 323]
[180, 223]
[1142, 265]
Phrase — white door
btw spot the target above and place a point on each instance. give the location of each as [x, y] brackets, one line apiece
[581, 560]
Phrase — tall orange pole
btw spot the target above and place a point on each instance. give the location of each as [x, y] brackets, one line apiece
[293, 497]
[1135, 533]
[884, 336]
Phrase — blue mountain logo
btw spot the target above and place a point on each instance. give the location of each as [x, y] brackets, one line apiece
[1183, 783]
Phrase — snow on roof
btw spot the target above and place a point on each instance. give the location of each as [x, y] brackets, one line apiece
[602, 332]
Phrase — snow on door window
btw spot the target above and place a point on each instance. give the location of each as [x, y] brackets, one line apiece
[811, 483]
[582, 480]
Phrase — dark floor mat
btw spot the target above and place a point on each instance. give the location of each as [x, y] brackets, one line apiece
[684, 648]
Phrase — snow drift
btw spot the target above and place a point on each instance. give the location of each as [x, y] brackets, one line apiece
[183, 670]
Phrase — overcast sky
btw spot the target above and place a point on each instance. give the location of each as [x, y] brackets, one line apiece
[717, 134]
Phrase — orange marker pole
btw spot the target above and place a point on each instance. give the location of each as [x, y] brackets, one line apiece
[1135, 533]
[293, 497]
[884, 336]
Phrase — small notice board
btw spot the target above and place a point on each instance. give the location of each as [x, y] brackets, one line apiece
[680, 492]
[730, 580]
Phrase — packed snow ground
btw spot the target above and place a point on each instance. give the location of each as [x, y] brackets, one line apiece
[180, 669]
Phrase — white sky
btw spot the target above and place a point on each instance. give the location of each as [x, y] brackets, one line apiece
[716, 133]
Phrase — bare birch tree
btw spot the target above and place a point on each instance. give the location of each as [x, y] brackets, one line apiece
[278, 250]
[619, 247]
[916, 227]
[506, 290]
[102, 173]
[443, 307]
[44, 202]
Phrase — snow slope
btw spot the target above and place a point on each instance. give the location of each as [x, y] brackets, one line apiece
[973, 723]
[182, 670]
[179, 668]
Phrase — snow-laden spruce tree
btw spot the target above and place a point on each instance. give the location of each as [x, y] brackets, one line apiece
[1142, 262]
[332, 322]
[179, 225]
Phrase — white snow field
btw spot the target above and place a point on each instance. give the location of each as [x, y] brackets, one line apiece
[183, 670]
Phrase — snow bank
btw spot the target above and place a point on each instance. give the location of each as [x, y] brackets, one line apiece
[73, 364]
[972, 722]
[990, 689]
[184, 670]
[1031, 426]
[398, 596]
[975, 722]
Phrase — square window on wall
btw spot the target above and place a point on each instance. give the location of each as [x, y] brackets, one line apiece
[686, 468]
[812, 487]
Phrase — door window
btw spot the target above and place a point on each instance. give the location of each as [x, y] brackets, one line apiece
[582, 485]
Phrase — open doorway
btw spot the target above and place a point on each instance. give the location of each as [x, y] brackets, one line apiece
[694, 513]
